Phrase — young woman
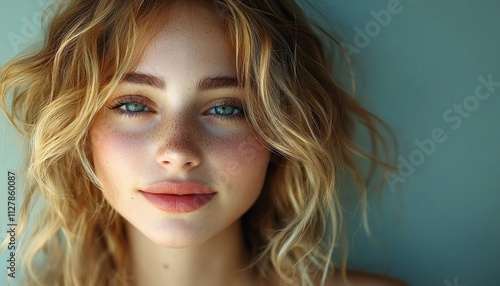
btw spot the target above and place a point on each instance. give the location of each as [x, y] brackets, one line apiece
[184, 143]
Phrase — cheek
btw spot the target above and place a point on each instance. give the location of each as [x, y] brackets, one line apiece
[114, 154]
[242, 161]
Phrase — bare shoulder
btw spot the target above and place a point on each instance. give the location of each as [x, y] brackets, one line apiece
[355, 278]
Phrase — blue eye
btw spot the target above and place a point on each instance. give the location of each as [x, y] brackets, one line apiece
[227, 109]
[134, 107]
[131, 106]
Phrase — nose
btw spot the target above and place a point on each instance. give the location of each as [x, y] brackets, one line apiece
[178, 150]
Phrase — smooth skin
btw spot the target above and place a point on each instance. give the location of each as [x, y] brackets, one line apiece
[180, 117]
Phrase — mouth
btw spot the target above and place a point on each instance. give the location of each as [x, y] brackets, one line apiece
[178, 196]
[178, 203]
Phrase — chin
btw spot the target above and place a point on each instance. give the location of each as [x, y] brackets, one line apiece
[176, 234]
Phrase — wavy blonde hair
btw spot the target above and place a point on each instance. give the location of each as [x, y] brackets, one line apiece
[293, 104]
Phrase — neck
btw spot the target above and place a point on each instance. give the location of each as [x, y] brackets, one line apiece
[218, 261]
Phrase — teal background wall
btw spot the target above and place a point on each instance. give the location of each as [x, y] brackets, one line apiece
[423, 67]
[20, 28]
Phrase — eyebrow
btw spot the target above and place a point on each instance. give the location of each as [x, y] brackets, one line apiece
[217, 82]
[144, 79]
[207, 83]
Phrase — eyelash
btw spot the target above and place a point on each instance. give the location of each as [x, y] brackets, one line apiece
[127, 100]
[229, 102]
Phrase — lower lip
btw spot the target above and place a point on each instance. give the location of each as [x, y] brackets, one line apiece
[178, 203]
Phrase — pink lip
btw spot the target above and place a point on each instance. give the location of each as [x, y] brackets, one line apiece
[178, 196]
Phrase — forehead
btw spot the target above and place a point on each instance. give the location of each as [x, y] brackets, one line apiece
[191, 35]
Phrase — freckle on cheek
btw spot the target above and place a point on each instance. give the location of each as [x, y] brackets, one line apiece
[234, 163]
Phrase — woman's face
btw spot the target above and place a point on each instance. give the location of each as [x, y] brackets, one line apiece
[172, 148]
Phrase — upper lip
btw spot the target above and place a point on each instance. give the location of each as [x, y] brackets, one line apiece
[173, 187]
